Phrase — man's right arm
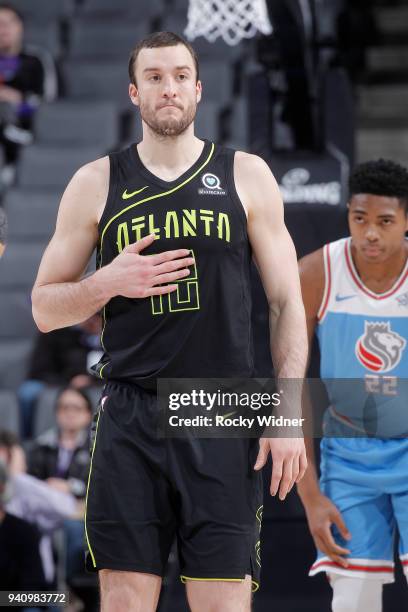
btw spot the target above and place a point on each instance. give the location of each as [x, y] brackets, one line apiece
[61, 297]
[311, 272]
[320, 511]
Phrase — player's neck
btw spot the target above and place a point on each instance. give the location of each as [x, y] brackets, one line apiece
[380, 277]
[169, 157]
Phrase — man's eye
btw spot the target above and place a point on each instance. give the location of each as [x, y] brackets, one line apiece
[182, 77]
[358, 219]
[155, 77]
[387, 221]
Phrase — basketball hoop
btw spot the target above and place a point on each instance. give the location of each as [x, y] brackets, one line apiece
[233, 20]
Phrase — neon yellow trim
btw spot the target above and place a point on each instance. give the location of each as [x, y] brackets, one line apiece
[255, 585]
[101, 370]
[87, 491]
[158, 195]
[103, 328]
[258, 515]
[185, 578]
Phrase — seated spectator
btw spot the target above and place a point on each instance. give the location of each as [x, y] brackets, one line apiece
[61, 455]
[20, 562]
[60, 357]
[22, 79]
[3, 231]
[35, 501]
[357, 30]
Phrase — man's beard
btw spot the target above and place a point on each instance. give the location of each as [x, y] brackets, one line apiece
[169, 126]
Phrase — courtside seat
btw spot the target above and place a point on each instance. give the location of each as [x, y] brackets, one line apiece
[78, 124]
[14, 355]
[49, 167]
[9, 412]
[16, 319]
[105, 38]
[44, 11]
[97, 80]
[45, 411]
[45, 36]
[19, 266]
[149, 9]
[31, 214]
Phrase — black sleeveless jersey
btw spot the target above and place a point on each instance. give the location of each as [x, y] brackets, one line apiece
[204, 328]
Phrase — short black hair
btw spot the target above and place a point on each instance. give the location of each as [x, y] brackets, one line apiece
[383, 178]
[81, 392]
[155, 41]
[5, 6]
[8, 439]
[3, 226]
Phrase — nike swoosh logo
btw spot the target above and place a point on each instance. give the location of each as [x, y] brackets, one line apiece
[341, 298]
[126, 195]
[225, 416]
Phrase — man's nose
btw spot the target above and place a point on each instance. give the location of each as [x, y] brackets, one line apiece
[372, 233]
[169, 90]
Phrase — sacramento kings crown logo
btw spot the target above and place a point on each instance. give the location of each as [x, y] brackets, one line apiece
[379, 349]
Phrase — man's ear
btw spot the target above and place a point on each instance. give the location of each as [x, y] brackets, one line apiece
[199, 90]
[134, 94]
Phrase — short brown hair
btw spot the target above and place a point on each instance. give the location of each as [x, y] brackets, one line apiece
[154, 41]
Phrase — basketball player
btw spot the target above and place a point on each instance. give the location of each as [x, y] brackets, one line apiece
[355, 292]
[174, 220]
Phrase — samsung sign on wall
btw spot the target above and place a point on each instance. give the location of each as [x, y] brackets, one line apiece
[296, 186]
[311, 178]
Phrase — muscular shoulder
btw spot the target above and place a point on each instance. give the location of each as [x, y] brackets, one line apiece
[311, 271]
[93, 174]
[89, 184]
[255, 182]
[250, 168]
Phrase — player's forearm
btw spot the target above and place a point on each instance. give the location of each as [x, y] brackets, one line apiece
[308, 488]
[57, 305]
[288, 335]
[289, 356]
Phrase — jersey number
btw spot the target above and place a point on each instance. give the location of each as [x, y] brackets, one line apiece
[186, 297]
[384, 385]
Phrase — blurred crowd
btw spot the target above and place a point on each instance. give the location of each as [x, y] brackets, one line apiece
[44, 469]
[43, 478]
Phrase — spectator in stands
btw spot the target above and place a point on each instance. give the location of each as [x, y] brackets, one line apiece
[291, 48]
[35, 501]
[61, 455]
[356, 30]
[61, 357]
[20, 562]
[3, 231]
[21, 88]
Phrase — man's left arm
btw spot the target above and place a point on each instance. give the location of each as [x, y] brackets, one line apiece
[275, 257]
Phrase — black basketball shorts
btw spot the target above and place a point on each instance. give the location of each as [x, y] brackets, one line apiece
[143, 491]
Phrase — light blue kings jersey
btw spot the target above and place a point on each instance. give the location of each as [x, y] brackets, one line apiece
[363, 344]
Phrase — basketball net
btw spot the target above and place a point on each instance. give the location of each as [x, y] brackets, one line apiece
[233, 20]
